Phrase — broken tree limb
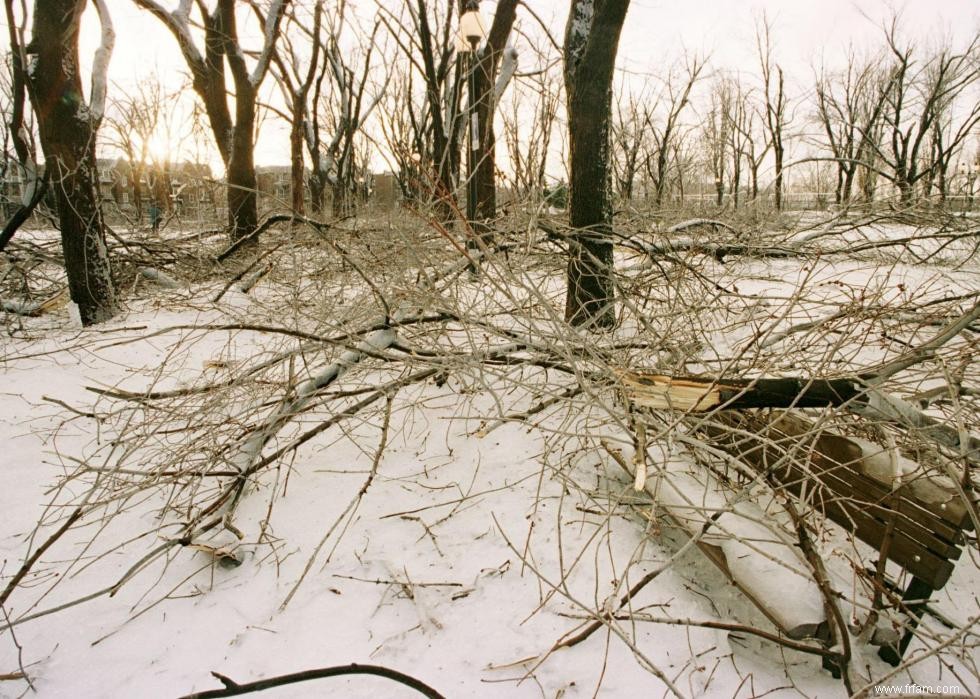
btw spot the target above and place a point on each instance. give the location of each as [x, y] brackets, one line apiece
[252, 279]
[718, 251]
[695, 394]
[925, 351]
[34, 308]
[695, 222]
[251, 447]
[246, 270]
[264, 226]
[661, 392]
[21, 308]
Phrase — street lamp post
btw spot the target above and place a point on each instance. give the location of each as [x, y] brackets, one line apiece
[471, 33]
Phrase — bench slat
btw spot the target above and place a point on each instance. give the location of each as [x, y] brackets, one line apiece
[904, 549]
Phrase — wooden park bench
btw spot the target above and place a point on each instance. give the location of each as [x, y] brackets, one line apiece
[918, 523]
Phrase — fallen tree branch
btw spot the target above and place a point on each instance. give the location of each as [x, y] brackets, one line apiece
[233, 688]
[24, 211]
[159, 277]
[248, 268]
[262, 228]
[661, 392]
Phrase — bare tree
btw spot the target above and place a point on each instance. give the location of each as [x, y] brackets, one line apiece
[774, 94]
[714, 136]
[235, 137]
[348, 109]
[399, 134]
[424, 35]
[630, 120]
[68, 126]
[748, 138]
[677, 94]
[591, 42]
[136, 119]
[951, 76]
[849, 110]
[19, 132]
[737, 131]
[528, 127]
[922, 130]
[295, 81]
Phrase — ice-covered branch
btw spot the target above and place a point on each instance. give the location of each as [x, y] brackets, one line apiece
[100, 64]
[272, 22]
[178, 22]
[507, 68]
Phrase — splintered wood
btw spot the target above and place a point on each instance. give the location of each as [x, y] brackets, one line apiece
[667, 392]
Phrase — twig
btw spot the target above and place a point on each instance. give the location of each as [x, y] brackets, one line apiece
[25, 568]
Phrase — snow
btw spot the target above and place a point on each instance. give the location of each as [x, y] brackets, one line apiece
[478, 545]
[757, 554]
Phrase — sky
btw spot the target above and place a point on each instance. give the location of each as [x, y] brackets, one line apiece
[656, 34]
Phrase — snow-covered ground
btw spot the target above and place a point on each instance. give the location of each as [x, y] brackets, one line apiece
[476, 547]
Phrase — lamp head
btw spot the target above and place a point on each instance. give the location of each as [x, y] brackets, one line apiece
[471, 28]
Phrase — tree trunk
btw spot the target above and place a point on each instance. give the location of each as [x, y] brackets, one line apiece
[661, 184]
[779, 175]
[343, 202]
[296, 188]
[318, 187]
[847, 187]
[906, 191]
[243, 213]
[68, 135]
[591, 41]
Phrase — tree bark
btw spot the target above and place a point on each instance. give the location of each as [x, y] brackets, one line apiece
[318, 186]
[591, 42]
[68, 128]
